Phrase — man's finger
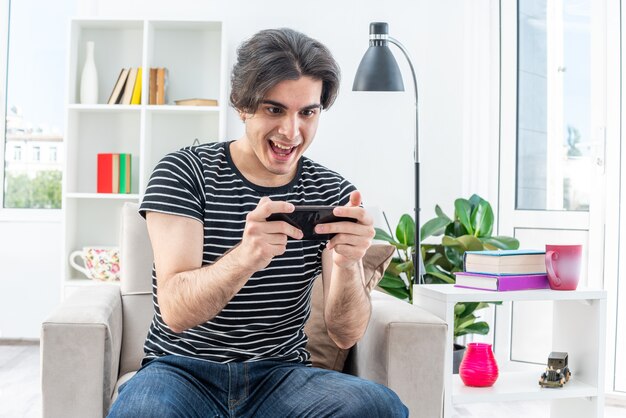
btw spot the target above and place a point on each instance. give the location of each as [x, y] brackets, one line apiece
[355, 199]
[266, 207]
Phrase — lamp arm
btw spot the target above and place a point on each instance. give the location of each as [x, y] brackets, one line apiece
[417, 259]
[408, 58]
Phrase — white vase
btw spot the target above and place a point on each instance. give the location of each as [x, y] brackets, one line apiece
[89, 78]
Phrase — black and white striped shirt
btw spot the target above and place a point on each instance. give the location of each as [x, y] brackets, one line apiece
[265, 320]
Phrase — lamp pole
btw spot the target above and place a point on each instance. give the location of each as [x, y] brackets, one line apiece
[416, 153]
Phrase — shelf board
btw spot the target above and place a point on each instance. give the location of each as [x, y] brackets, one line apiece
[103, 108]
[451, 293]
[103, 196]
[136, 108]
[182, 109]
[518, 386]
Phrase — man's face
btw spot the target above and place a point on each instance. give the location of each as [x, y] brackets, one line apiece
[284, 125]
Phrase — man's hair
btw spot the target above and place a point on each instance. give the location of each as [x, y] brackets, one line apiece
[275, 55]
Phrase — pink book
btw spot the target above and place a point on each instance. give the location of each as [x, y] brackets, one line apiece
[501, 283]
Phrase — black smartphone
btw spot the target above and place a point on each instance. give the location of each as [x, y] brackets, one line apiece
[305, 218]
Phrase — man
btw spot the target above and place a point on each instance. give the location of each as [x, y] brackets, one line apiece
[232, 289]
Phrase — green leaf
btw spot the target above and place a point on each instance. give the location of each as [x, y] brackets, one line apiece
[392, 268]
[391, 281]
[399, 293]
[455, 229]
[475, 200]
[470, 307]
[463, 243]
[502, 242]
[433, 271]
[481, 328]
[434, 259]
[459, 308]
[455, 257]
[441, 215]
[451, 242]
[405, 266]
[383, 236]
[470, 243]
[434, 227]
[482, 219]
[405, 231]
[464, 322]
[463, 211]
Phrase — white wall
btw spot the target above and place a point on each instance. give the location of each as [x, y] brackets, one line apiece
[30, 278]
[368, 137]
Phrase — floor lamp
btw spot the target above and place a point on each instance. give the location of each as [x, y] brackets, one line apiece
[379, 71]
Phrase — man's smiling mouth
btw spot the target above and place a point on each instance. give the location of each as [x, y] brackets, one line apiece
[282, 150]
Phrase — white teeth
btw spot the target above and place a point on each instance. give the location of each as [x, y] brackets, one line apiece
[280, 146]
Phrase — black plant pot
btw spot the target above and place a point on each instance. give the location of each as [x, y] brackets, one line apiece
[457, 356]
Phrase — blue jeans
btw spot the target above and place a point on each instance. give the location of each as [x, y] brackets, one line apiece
[175, 386]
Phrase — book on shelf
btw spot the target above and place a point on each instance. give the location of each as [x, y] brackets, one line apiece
[136, 96]
[505, 262]
[125, 173]
[114, 172]
[118, 88]
[129, 87]
[196, 102]
[161, 85]
[501, 283]
[105, 173]
[152, 86]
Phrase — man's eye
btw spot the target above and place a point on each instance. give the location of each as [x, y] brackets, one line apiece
[308, 112]
[274, 110]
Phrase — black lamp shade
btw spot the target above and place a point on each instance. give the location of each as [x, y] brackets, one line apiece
[378, 71]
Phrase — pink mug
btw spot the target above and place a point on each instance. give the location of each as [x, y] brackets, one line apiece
[563, 266]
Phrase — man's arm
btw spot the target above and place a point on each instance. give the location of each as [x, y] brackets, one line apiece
[190, 294]
[347, 306]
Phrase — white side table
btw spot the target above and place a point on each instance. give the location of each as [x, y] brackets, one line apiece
[579, 324]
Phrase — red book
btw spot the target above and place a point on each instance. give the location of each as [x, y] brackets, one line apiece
[105, 173]
[501, 283]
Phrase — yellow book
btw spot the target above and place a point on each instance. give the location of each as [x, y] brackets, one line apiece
[136, 99]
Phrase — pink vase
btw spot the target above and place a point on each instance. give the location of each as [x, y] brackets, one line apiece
[478, 367]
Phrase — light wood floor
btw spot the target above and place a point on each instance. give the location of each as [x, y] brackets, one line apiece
[20, 393]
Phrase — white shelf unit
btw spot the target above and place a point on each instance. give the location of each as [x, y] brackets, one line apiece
[579, 322]
[194, 54]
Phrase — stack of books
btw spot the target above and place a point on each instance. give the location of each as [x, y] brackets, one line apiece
[127, 88]
[157, 86]
[503, 270]
[114, 173]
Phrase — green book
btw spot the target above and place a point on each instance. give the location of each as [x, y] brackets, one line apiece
[125, 173]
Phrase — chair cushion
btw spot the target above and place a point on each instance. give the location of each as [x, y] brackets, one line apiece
[324, 352]
[123, 379]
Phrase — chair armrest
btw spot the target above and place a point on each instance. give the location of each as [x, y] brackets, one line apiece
[80, 352]
[403, 348]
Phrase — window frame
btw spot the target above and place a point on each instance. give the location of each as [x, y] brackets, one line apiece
[10, 214]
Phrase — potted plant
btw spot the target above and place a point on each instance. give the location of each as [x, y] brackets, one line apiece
[469, 229]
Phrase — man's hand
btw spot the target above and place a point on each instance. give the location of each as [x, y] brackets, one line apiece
[263, 240]
[352, 239]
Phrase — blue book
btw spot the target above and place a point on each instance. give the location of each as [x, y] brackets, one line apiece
[505, 262]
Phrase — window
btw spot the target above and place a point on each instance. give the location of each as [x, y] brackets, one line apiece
[17, 153]
[554, 145]
[34, 102]
[52, 154]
